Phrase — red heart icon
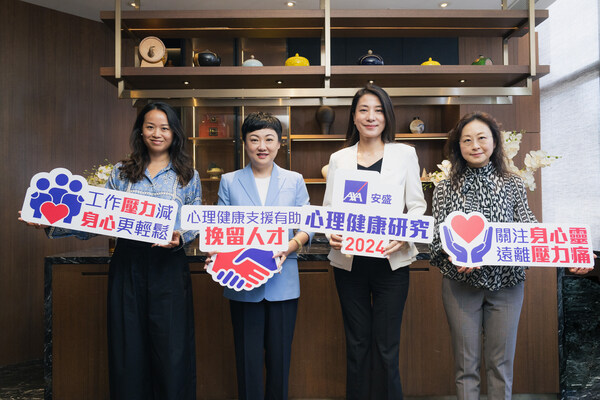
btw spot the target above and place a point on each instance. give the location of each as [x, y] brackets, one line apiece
[53, 212]
[468, 229]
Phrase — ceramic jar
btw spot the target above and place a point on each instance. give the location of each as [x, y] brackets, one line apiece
[370, 59]
[207, 58]
[297, 61]
[252, 62]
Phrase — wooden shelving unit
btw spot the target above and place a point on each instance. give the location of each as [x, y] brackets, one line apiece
[223, 89]
[210, 24]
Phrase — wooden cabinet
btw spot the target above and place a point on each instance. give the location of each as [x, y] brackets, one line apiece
[77, 363]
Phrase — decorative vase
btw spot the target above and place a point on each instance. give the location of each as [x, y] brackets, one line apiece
[416, 125]
[325, 115]
[481, 60]
[370, 59]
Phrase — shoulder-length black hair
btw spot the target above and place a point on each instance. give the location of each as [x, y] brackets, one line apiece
[388, 134]
[134, 166]
[459, 164]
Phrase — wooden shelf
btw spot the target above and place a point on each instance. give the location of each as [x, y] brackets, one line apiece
[420, 136]
[220, 23]
[315, 181]
[222, 77]
[432, 75]
[310, 23]
[431, 23]
[313, 77]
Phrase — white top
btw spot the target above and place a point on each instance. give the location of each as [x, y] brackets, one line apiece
[262, 184]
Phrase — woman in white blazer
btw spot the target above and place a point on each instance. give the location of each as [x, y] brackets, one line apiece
[373, 291]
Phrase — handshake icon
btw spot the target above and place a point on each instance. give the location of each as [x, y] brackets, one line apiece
[243, 269]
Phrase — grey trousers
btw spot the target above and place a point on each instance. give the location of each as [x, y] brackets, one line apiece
[476, 317]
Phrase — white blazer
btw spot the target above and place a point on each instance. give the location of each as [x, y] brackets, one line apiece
[400, 168]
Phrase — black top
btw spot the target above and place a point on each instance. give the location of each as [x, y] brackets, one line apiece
[376, 166]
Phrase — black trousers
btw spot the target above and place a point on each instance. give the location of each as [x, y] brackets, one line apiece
[263, 329]
[372, 297]
[151, 349]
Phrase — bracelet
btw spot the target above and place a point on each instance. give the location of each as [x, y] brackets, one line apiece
[299, 244]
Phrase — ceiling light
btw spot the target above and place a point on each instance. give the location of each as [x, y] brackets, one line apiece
[290, 3]
[279, 82]
[371, 82]
[186, 83]
[462, 81]
[134, 3]
[444, 4]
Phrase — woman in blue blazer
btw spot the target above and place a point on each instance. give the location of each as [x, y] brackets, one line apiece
[264, 318]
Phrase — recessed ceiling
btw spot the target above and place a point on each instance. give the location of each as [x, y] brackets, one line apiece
[91, 9]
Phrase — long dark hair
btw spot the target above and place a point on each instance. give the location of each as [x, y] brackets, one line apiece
[134, 166]
[388, 134]
[459, 164]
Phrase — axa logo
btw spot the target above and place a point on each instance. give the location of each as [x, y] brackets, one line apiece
[356, 192]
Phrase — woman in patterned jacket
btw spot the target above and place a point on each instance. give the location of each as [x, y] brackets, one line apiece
[486, 299]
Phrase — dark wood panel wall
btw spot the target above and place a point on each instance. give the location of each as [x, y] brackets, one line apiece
[55, 111]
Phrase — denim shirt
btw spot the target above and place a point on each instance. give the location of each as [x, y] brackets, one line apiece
[164, 185]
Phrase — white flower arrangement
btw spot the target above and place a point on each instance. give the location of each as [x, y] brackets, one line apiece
[437, 176]
[99, 174]
[534, 160]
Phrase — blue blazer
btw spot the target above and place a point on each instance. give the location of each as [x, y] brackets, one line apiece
[286, 188]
